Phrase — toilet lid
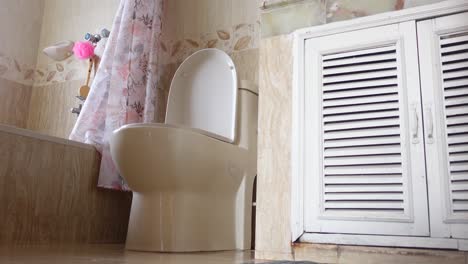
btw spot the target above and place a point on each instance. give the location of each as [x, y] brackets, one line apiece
[203, 94]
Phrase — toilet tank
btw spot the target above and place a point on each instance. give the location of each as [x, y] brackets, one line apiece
[247, 115]
[203, 94]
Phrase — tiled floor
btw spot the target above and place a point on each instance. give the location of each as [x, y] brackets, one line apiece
[115, 254]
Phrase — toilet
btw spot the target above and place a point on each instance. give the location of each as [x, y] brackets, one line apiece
[192, 177]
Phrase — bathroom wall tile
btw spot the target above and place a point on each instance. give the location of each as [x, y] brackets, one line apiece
[188, 26]
[245, 12]
[291, 15]
[232, 39]
[191, 19]
[338, 10]
[247, 64]
[14, 106]
[14, 70]
[71, 69]
[167, 72]
[48, 195]
[71, 20]
[286, 19]
[413, 3]
[49, 110]
[43, 23]
[229, 25]
[173, 51]
[20, 28]
[274, 146]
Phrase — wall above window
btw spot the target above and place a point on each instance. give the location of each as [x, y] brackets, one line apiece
[283, 17]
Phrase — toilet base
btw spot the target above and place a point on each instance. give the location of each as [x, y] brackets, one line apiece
[188, 222]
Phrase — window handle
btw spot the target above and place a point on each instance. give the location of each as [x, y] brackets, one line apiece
[429, 125]
[415, 126]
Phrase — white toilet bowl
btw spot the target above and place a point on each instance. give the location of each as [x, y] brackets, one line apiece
[192, 177]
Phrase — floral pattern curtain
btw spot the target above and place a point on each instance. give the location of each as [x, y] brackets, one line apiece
[124, 90]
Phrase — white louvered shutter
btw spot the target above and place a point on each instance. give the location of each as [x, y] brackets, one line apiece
[444, 44]
[364, 157]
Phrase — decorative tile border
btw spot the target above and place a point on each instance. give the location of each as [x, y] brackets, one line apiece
[68, 70]
[13, 70]
[239, 37]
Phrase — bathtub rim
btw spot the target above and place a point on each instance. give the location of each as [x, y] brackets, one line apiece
[37, 135]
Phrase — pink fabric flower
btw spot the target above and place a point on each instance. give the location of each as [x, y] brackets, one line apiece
[83, 50]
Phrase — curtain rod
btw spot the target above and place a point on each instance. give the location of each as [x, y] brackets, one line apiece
[266, 4]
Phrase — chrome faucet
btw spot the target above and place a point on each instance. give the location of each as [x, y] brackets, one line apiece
[76, 110]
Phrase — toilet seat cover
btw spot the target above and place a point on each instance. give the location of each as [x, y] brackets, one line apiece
[203, 94]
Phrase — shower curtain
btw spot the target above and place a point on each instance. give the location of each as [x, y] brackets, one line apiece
[124, 90]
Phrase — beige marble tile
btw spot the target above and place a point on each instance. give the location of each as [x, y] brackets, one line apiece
[49, 110]
[292, 16]
[286, 19]
[192, 19]
[20, 28]
[115, 254]
[413, 3]
[338, 10]
[48, 195]
[167, 72]
[316, 253]
[229, 25]
[274, 134]
[247, 64]
[14, 70]
[273, 256]
[359, 255]
[14, 103]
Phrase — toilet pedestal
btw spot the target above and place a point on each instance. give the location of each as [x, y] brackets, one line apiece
[190, 222]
